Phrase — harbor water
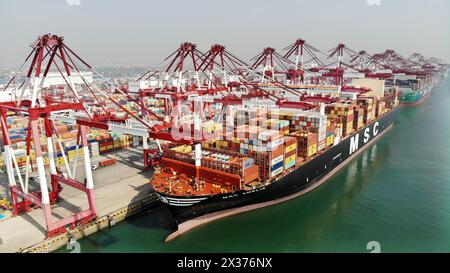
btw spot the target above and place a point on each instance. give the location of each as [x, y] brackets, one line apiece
[395, 195]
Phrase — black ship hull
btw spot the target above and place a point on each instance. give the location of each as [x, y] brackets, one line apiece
[301, 178]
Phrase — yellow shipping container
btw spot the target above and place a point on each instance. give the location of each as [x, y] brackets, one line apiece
[222, 143]
[360, 123]
[349, 128]
[330, 140]
[290, 159]
[290, 148]
[312, 150]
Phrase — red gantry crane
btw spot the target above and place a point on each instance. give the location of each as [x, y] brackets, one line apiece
[300, 48]
[47, 52]
[41, 110]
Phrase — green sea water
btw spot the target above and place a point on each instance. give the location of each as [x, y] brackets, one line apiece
[396, 193]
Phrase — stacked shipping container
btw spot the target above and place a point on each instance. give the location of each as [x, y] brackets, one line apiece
[306, 143]
[100, 141]
[367, 104]
[290, 152]
[341, 114]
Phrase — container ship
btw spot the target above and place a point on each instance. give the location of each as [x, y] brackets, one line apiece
[265, 154]
[414, 91]
[415, 85]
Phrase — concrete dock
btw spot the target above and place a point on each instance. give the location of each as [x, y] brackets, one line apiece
[121, 190]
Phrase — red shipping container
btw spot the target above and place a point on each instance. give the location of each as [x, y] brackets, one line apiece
[108, 143]
[288, 141]
[291, 153]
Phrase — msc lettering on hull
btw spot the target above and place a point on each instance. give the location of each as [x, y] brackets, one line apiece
[368, 133]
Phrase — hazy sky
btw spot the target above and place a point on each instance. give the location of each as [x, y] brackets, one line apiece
[137, 32]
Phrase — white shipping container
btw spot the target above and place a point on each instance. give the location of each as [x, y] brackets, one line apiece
[261, 149]
[277, 160]
[266, 135]
[277, 171]
[321, 146]
[322, 136]
[275, 143]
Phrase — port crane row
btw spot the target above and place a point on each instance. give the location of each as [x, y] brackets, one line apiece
[205, 83]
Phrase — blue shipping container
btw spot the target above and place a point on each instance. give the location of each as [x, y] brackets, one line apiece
[276, 166]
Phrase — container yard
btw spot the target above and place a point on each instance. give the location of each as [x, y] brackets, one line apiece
[206, 137]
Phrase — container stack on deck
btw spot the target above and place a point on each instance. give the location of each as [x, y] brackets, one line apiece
[215, 162]
[380, 107]
[367, 104]
[279, 141]
[343, 115]
[306, 143]
[290, 152]
[330, 133]
[358, 119]
[391, 99]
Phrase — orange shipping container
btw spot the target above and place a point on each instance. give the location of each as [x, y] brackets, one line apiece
[277, 152]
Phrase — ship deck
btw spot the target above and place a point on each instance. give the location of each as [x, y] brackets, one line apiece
[182, 185]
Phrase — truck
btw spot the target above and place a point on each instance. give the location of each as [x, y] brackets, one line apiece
[104, 163]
